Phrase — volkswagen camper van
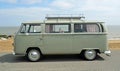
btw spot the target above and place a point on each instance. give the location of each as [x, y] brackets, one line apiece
[61, 35]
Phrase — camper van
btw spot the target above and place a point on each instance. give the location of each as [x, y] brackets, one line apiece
[61, 35]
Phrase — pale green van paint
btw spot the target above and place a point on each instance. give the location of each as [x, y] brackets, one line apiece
[61, 43]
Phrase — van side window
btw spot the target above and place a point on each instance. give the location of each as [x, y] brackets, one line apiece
[35, 28]
[31, 28]
[86, 28]
[57, 28]
[79, 28]
[92, 28]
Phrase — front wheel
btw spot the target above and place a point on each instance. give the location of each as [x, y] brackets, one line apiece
[33, 55]
[90, 54]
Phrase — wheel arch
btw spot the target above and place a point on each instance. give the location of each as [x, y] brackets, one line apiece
[37, 48]
[97, 50]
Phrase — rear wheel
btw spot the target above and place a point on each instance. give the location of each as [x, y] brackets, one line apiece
[90, 54]
[33, 55]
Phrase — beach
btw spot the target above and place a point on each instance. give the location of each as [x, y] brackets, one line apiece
[114, 44]
[6, 44]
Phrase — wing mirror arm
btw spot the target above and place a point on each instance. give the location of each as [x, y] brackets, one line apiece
[23, 32]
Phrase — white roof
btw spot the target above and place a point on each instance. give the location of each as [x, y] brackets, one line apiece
[64, 21]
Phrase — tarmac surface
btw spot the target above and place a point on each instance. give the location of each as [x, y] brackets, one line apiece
[8, 62]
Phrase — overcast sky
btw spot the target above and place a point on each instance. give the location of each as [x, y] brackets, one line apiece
[13, 12]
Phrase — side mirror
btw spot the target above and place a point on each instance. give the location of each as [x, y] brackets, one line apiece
[22, 32]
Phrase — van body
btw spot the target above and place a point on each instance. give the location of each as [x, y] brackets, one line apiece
[61, 35]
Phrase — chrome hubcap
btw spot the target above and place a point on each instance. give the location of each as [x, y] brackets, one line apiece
[90, 54]
[34, 55]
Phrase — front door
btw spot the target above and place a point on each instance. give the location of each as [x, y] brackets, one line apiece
[28, 36]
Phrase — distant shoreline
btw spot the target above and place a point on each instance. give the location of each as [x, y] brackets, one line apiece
[114, 38]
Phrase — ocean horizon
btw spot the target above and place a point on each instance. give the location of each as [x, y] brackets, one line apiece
[113, 31]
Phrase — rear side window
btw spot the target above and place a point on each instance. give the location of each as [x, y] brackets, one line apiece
[57, 28]
[86, 28]
[31, 28]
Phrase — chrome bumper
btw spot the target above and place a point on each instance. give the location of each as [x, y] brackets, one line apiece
[108, 53]
[13, 52]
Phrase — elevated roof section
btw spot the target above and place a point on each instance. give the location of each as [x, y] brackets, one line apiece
[63, 19]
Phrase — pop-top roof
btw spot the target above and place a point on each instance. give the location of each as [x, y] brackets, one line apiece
[63, 19]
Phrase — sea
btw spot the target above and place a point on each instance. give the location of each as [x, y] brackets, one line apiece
[113, 31]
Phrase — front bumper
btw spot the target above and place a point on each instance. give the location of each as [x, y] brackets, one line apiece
[13, 52]
[108, 53]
